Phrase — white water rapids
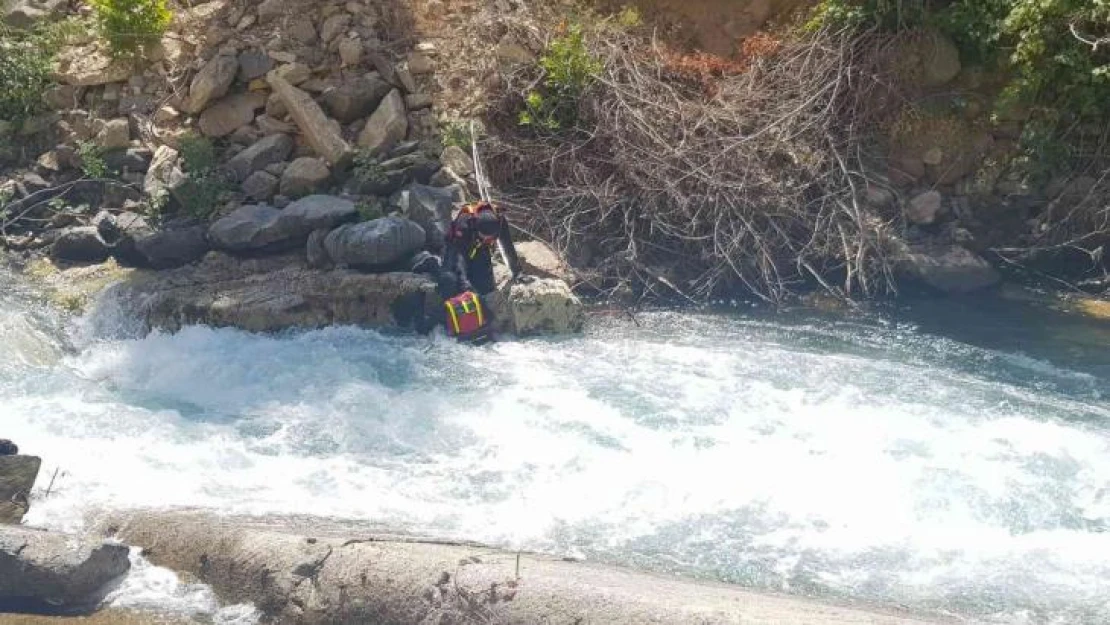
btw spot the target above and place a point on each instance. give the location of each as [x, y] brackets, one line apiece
[868, 460]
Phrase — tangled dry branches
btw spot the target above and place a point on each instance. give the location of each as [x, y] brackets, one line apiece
[757, 185]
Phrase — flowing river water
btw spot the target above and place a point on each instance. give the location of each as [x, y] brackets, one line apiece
[953, 458]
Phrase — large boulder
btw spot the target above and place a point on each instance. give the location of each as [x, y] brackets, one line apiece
[260, 186]
[304, 176]
[211, 82]
[387, 126]
[81, 244]
[949, 268]
[323, 134]
[314, 212]
[45, 569]
[431, 207]
[166, 249]
[164, 175]
[114, 135]
[261, 154]
[17, 478]
[537, 259]
[230, 114]
[541, 306]
[375, 243]
[355, 98]
[246, 228]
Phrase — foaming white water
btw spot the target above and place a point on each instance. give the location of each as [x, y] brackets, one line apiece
[861, 460]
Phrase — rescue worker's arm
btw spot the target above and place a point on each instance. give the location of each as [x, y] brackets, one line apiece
[454, 261]
[508, 249]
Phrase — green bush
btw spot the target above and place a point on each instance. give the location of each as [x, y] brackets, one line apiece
[197, 154]
[24, 74]
[92, 162]
[130, 25]
[568, 70]
[200, 194]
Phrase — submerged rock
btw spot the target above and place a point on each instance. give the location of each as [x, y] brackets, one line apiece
[949, 268]
[46, 569]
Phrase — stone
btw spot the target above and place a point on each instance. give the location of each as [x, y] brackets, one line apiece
[8, 448]
[350, 52]
[80, 244]
[254, 64]
[446, 177]
[48, 569]
[171, 248]
[270, 9]
[24, 14]
[404, 77]
[17, 478]
[417, 101]
[939, 58]
[275, 107]
[270, 126]
[375, 243]
[538, 259]
[92, 68]
[116, 134]
[247, 228]
[277, 169]
[923, 208]
[164, 174]
[419, 64]
[387, 126]
[246, 22]
[320, 132]
[933, 156]
[511, 52]
[382, 66]
[264, 152]
[949, 268]
[334, 26]
[211, 82]
[302, 30]
[313, 212]
[115, 228]
[303, 176]
[293, 73]
[879, 197]
[541, 306]
[230, 114]
[315, 253]
[431, 208]
[457, 159]
[260, 186]
[356, 98]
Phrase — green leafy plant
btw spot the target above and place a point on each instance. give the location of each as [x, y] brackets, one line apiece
[92, 161]
[568, 71]
[457, 133]
[197, 154]
[24, 74]
[369, 208]
[131, 25]
[199, 195]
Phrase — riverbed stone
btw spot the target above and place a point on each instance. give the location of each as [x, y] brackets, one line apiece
[540, 306]
[17, 478]
[266, 151]
[375, 243]
[949, 268]
[387, 126]
[211, 82]
[49, 569]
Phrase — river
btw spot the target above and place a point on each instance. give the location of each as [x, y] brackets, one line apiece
[950, 456]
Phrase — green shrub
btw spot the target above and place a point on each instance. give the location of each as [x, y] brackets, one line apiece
[92, 162]
[457, 133]
[200, 194]
[130, 25]
[24, 74]
[568, 70]
[197, 154]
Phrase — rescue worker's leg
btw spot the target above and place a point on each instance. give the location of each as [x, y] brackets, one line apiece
[479, 271]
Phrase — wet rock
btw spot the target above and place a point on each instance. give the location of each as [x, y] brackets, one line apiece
[211, 83]
[230, 114]
[374, 243]
[923, 208]
[260, 186]
[17, 478]
[355, 98]
[264, 152]
[949, 268]
[116, 134]
[81, 244]
[246, 228]
[541, 306]
[387, 126]
[43, 569]
[303, 176]
[321, 133]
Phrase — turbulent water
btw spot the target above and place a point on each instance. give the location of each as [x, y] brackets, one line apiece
[874, 460]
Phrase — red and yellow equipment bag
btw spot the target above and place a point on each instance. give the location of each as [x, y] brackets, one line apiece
[465, 316]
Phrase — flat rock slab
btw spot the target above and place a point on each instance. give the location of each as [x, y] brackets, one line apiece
[39, 568]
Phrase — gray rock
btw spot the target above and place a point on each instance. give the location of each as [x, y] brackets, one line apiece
[313, 212]
[167, 249]
[446, 177]
[164, 176]
[375, 243]
[355, 98]
[350, 51]
[417, 101]
[17, 478]
[230, 114]
[275, 107]
[247, 228]
[320, 132]
[260, 186]
[80, 244]
[923, 208]
[116, 229]
[315, 252]
[270, 126]
[334, 26]
[134, 160]
[116, 134]
[8, 448]
[211, 82]
[271, 9]
[387, 126]
[949, 268]
[457, 159]
[294, 73]
[941, 59]
[265, 152]
[431, 208]
[543, 306]
[57, 570]
[302, 30]
[383, 67]
[419, 63]
[24, 14]
[254, 64]
[303, 176]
